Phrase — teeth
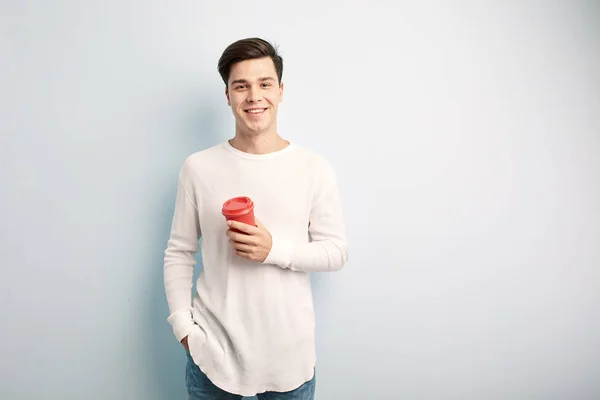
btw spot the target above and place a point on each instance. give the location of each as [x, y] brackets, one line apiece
[255, 111]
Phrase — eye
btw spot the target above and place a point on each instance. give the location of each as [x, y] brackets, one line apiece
[266, 84]
[239, 87]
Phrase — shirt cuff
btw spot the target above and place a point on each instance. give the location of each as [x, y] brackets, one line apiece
[182, 323]
[280, 254]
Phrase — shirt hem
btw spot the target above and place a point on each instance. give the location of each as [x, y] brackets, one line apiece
[242, 391]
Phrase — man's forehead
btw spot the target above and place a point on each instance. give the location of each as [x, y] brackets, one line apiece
[259, 66]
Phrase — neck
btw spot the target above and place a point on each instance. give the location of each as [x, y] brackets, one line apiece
[258, 144]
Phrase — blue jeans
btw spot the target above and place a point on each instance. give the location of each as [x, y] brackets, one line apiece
[199, 387]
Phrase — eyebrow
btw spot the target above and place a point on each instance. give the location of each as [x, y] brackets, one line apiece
[263, 79]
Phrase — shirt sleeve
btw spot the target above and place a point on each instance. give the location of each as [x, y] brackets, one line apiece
[327, 249]
[179, 260]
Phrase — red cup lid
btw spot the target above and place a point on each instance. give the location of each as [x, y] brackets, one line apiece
[237, 206]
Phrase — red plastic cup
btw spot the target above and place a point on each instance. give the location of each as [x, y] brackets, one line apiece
[239, 209]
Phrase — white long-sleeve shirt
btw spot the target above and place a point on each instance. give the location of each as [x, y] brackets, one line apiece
[250, 325]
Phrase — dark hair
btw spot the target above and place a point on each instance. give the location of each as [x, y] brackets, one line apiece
[248, 49]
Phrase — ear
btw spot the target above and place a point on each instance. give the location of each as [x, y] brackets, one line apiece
[227, 96]
[281, 92]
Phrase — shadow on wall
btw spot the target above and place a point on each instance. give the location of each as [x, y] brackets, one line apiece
[201, 129]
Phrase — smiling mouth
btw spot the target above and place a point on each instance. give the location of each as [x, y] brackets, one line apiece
[255, 111]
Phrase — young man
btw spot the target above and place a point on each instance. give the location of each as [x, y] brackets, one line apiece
[250, 326]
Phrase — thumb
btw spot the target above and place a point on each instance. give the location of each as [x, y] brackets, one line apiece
[258, 223]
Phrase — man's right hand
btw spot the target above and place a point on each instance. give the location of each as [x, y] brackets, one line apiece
[184, 342]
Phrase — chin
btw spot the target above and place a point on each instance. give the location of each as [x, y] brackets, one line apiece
[253, 128]
[256, 129]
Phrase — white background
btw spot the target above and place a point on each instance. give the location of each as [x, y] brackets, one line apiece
[466, 136]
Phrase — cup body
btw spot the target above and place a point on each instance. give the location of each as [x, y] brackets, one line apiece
[239, 209]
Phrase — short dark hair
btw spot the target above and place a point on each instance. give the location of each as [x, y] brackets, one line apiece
[248, 49]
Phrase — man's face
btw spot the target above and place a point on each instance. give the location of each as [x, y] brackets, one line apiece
[254, 94]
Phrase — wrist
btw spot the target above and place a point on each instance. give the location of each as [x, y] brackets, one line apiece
[280, 253]
[182, 323]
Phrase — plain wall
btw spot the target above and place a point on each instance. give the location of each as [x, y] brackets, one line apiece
[466, 136]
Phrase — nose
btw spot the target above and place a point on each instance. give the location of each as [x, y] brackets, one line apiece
[253, 95]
